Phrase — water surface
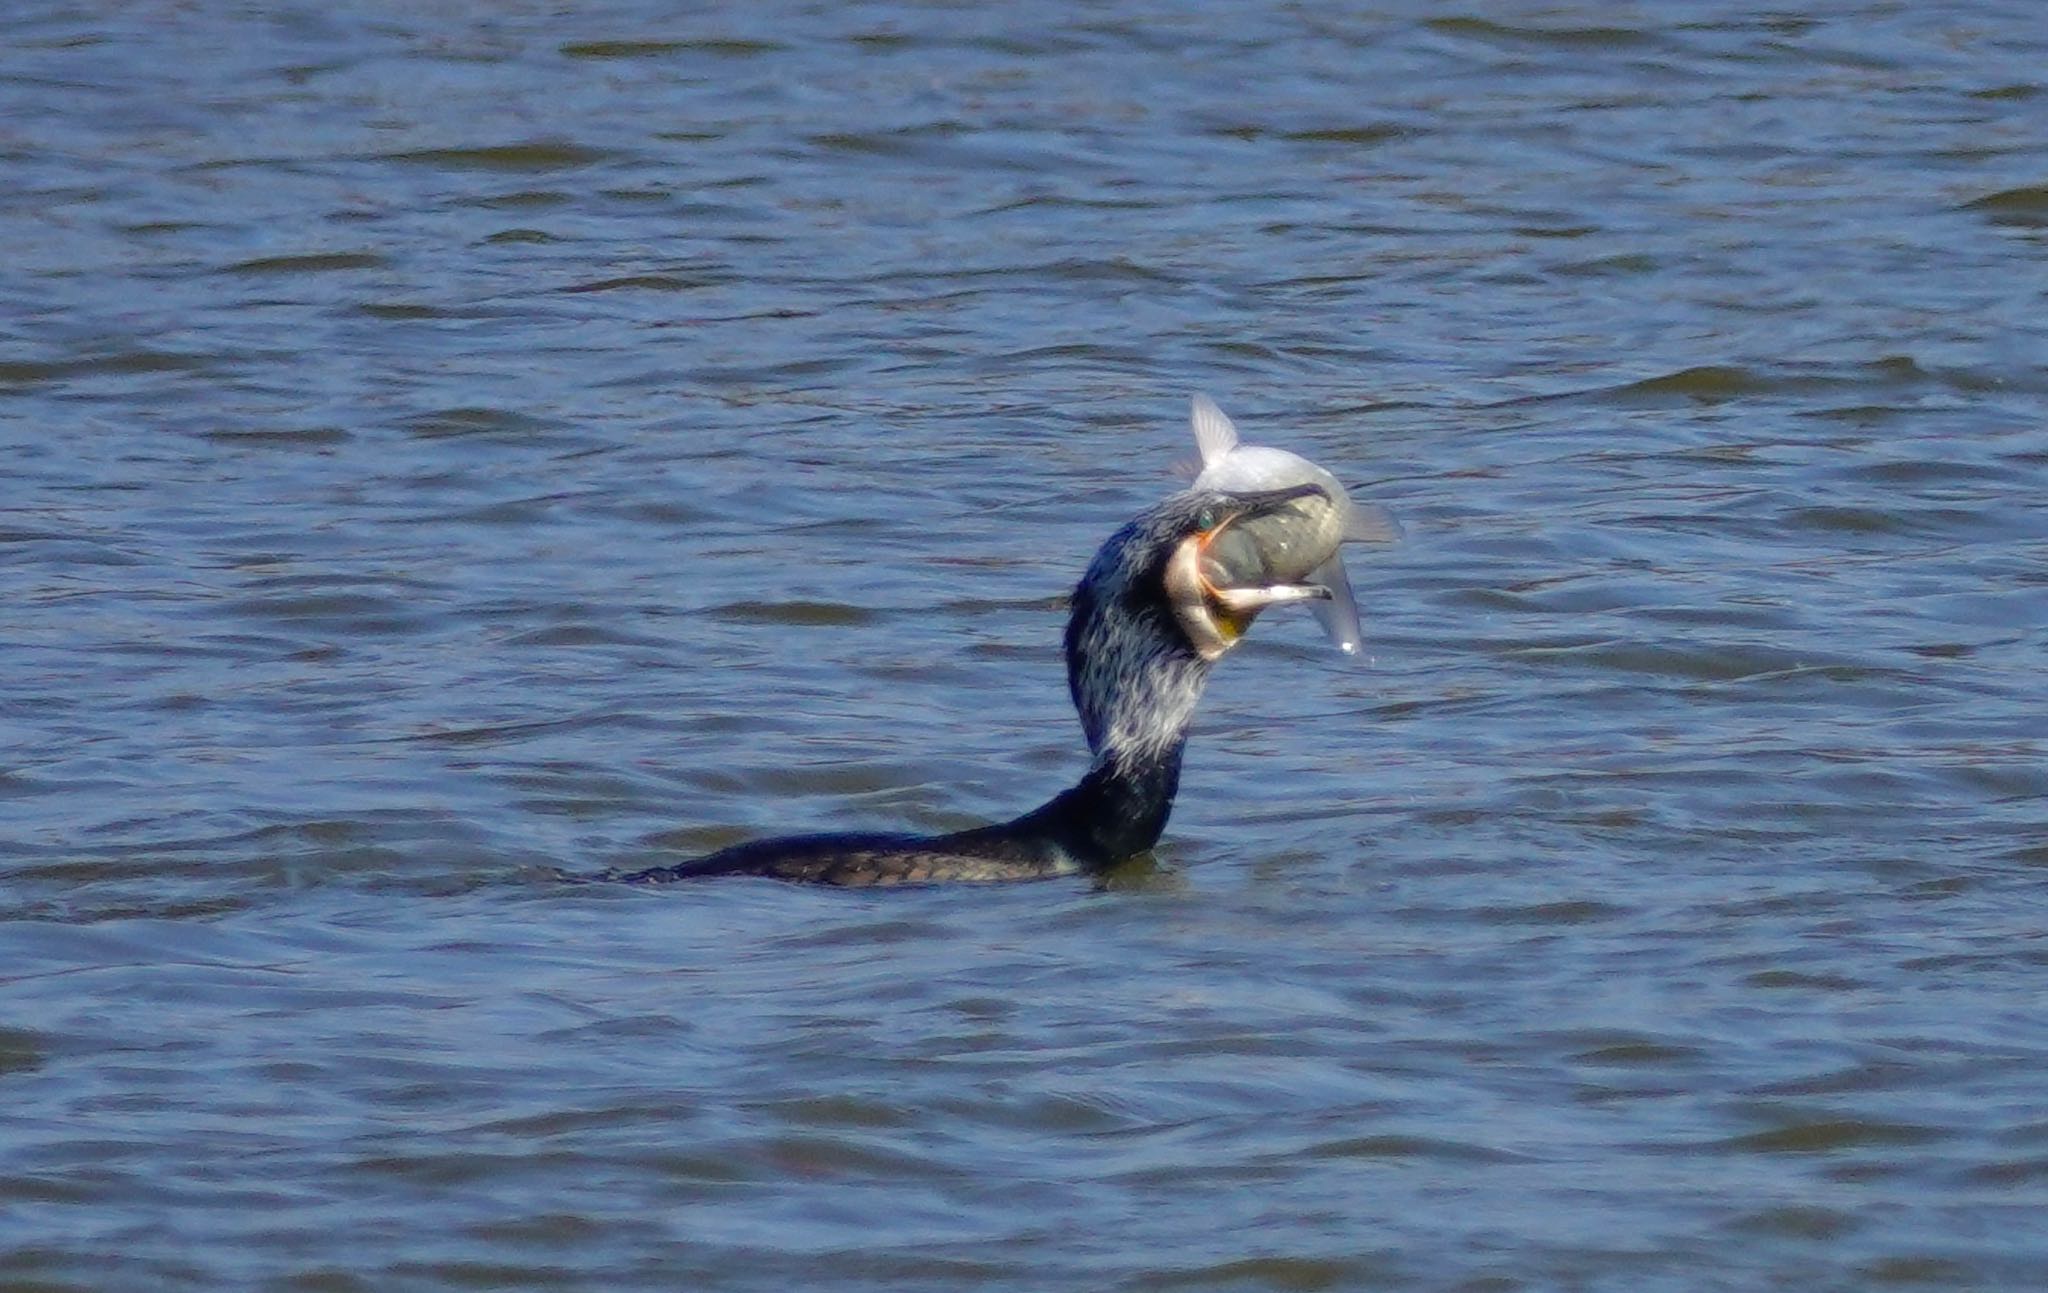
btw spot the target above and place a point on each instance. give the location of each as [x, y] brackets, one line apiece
[444, 450]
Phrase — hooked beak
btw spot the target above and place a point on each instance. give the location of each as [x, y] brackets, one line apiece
[1215, 617]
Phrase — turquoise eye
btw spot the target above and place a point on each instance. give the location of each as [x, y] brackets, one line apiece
[1206, 519]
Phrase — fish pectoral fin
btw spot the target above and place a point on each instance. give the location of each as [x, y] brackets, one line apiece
[1215, 435]
[1339, 614]
[1371, 523]
[1244, 601]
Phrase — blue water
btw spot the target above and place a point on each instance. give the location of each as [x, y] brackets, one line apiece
[440, 450]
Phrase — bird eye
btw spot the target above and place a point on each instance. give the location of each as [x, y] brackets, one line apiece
[1206, 519]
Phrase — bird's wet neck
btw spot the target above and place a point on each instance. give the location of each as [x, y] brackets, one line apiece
[1135, 684]
[1137, 713]
[1117, 810]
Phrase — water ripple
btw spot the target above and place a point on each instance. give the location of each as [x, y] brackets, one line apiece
[450, 455]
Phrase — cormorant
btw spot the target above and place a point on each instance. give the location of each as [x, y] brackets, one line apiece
[1148, 622]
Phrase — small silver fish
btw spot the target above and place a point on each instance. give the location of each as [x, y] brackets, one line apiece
[1295, 544]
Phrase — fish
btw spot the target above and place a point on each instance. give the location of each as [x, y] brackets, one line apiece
[1298, 543]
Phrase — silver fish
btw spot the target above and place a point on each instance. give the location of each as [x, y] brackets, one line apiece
[1297, 543]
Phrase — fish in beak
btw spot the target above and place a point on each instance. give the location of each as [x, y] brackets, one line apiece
[1294, 543]
[1214, 603]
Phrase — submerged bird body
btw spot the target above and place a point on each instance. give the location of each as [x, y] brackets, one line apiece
[1146, 627]
[1092, 827]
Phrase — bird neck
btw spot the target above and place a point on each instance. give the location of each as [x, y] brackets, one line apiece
[1117, 810]
[1135, 683]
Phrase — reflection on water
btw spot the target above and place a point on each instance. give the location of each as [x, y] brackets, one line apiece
[447, 450]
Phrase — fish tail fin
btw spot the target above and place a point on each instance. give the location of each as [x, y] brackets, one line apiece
[1339, 614]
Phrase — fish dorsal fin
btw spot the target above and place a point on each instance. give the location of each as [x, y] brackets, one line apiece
[1214, 434]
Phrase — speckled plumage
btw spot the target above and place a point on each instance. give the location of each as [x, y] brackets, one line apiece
[1135, 678]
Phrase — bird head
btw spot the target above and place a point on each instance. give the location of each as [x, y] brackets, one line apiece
[1152, 614]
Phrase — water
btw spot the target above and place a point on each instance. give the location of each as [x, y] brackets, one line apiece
[443, 449]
